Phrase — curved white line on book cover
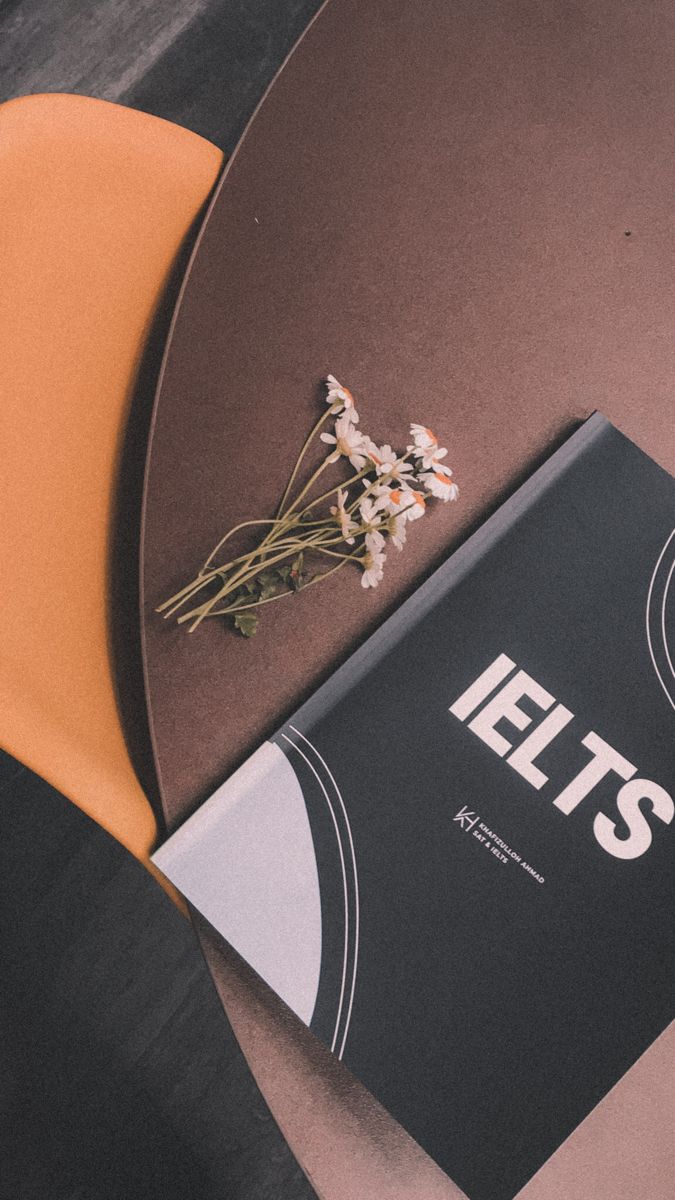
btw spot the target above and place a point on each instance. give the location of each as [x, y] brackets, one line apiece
[664, 634]
[652, 596]
[246, 860]
[344, 884]
[356, 884]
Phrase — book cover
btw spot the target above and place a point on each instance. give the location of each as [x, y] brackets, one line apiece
[455, 861]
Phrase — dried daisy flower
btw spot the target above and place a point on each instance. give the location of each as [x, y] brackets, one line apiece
[351, 522]
[340, 399]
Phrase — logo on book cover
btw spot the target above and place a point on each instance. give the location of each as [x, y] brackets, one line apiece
[466, 818]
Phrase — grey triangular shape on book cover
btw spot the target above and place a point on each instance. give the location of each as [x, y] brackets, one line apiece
[255, 877]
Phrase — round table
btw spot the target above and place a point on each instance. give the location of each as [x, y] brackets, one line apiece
[464, 211]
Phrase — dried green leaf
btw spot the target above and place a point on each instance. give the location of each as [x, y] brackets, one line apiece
[268, 582]
[246, 623]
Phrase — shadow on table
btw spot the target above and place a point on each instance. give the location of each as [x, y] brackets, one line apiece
[125, 537]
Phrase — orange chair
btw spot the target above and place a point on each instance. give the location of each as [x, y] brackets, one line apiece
[95, 203]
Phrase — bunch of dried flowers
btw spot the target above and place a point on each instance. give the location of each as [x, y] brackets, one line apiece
[352, 522]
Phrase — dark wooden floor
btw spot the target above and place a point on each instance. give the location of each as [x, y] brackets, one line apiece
[202, 63]
[120, 1078]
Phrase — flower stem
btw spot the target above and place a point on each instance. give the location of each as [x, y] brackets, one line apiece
[310, 483]
[241, 577]
[168, 607]
[242, 525]
[324, 417]
[268, 600]
[326, 495]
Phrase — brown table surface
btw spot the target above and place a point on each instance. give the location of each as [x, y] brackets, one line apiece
[465, 211]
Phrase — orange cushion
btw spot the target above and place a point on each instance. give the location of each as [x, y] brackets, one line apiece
[95, 201]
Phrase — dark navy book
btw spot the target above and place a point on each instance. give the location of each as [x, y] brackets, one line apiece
[455, 862]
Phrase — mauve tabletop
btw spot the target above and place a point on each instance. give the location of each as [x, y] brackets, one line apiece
[465, 211]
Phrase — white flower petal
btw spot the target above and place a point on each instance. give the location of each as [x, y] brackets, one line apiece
[439, 485]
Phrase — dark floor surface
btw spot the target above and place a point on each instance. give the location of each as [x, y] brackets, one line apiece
[202, 63]
[120, 1078]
